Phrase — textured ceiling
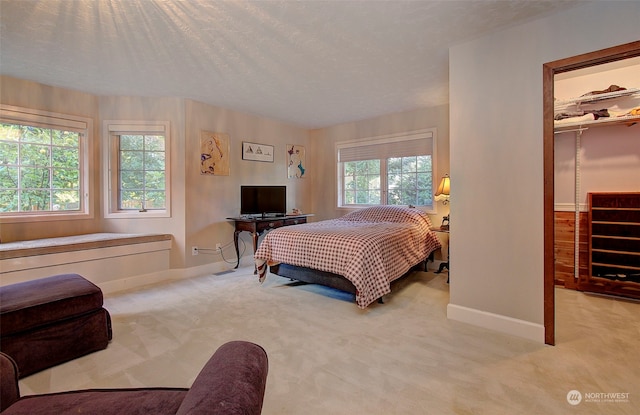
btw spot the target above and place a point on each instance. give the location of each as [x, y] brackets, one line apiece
[310, 63]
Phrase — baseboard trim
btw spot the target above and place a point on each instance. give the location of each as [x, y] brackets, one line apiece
[570, 207]
[136, 281]
[498, 322]
[140, 281]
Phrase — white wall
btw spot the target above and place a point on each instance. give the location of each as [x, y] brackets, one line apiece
[200, 204]
[153, 109]
[210, 199]
[323, 143]
[496, 160]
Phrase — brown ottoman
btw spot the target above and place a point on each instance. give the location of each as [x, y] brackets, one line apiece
[51, 320]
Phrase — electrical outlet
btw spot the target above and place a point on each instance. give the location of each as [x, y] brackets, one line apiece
[218, 247]
[194, 250]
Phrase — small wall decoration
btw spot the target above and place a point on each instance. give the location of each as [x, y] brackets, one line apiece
[257, 152]
[296, 163]
[214, 153]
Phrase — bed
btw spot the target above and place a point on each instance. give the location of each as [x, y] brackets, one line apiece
[361, 252]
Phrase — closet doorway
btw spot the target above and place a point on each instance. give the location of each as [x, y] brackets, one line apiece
[550, 69]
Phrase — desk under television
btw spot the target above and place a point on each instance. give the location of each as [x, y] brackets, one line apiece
[258, 224]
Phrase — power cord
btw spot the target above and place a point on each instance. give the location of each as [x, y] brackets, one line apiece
[213, 251]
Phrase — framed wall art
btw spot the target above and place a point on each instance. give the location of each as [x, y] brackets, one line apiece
[296, 164]
[257, 152]
[214, 153]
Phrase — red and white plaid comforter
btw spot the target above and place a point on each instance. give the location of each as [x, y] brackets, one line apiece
[370, 247]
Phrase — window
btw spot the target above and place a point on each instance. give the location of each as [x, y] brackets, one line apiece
[141, 165]
[392, 170]
[138, 174]
[43, 159]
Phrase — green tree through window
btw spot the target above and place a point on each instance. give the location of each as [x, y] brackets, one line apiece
[39, 169]
[408, 181]
[395, 169]
[142, 172]
[362, 182]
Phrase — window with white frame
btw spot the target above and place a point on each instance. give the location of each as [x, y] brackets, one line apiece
[390, 170]
[43, 164]
[137, 168]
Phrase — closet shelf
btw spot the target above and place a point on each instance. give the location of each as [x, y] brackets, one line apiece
[583, 124]
[602, 122]
[585, 99]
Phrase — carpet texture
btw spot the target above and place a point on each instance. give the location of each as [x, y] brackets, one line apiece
[327, 356]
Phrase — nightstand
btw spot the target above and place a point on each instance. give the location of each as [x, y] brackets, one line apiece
[443, 265]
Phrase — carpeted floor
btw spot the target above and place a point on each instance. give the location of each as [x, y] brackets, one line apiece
[326, 356]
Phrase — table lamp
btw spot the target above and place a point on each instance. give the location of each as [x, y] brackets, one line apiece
[442, 194]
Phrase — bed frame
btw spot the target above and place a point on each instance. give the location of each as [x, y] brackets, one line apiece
[328, 279]
[313, 276]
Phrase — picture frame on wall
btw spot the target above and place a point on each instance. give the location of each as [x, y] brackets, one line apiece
[257, 152]
[214, 153]
[296, 161]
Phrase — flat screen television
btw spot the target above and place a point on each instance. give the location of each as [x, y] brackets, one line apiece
[263, 200]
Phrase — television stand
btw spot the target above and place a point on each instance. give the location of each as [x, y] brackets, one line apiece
[271, 215]
[258, 225]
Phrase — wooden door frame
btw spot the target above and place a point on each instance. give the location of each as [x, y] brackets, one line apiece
[549, 70]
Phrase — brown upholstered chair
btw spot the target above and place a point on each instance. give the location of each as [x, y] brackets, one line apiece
[232, 382]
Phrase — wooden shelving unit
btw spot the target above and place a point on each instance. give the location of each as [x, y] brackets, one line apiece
[614, 244]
